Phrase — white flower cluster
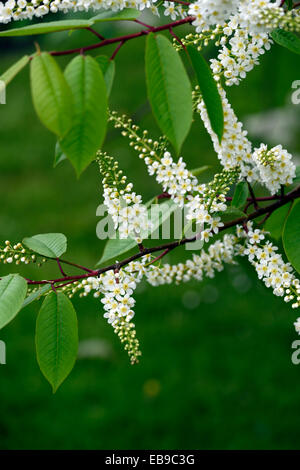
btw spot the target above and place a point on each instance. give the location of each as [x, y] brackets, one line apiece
[239, 54]
[259, 15]
[23, 9]
[212, 12]
[275, 167]
[118, 302]
[235, 149]
[210, 199]
[256, 15]
[173, 176]
[270, 266]
[124, 205]
[204, 264]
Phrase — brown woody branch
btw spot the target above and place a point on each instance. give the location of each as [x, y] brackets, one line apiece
[122, 39]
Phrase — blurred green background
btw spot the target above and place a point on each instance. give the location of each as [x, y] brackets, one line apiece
[216, 369]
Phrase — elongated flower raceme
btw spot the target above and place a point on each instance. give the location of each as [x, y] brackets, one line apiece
[124, 205]
[270, 265]
[234, 150]
[204, 264]
[117, 290]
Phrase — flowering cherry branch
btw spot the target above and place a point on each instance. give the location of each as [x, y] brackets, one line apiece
[167, 247]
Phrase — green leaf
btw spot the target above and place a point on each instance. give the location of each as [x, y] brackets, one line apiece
[126, 14]
[275, 223]
[286, 39]
[13, 290]
[51, 245]
[230, 214]
[86, 136]
[59, 155]
[108, 69]
[200, 170]
[51, 94]
[51, 27]
[291, 235]
[169, 89]
[240, 194]
[116, 247]
[36, 295]
[56, 338]
[10, 74]
[209, 91]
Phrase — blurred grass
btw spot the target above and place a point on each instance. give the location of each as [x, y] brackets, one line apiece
[216, 369]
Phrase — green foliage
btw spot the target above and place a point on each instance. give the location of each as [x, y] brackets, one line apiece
[200, 170]
[10, 74]
[51, 27]
[297, 178]
[117, 247]
[56, 338]
[290, 237]
[169, 89]
[209, 91]
[64, 25]
[51, 245]
[86, 136]
[275, 222]
[286, 39]
[231, 213]
[240, 195]
[13, 290]
[51, 94]
[123, 15]
[108, 69]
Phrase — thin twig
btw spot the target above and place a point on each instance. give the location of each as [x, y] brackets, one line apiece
[143, 24]
[164, 253]
[96, 33]
[117, 50]
[60, 267]
[253, 196]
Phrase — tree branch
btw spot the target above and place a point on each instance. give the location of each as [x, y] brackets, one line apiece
[291, 196]
[128, 37]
